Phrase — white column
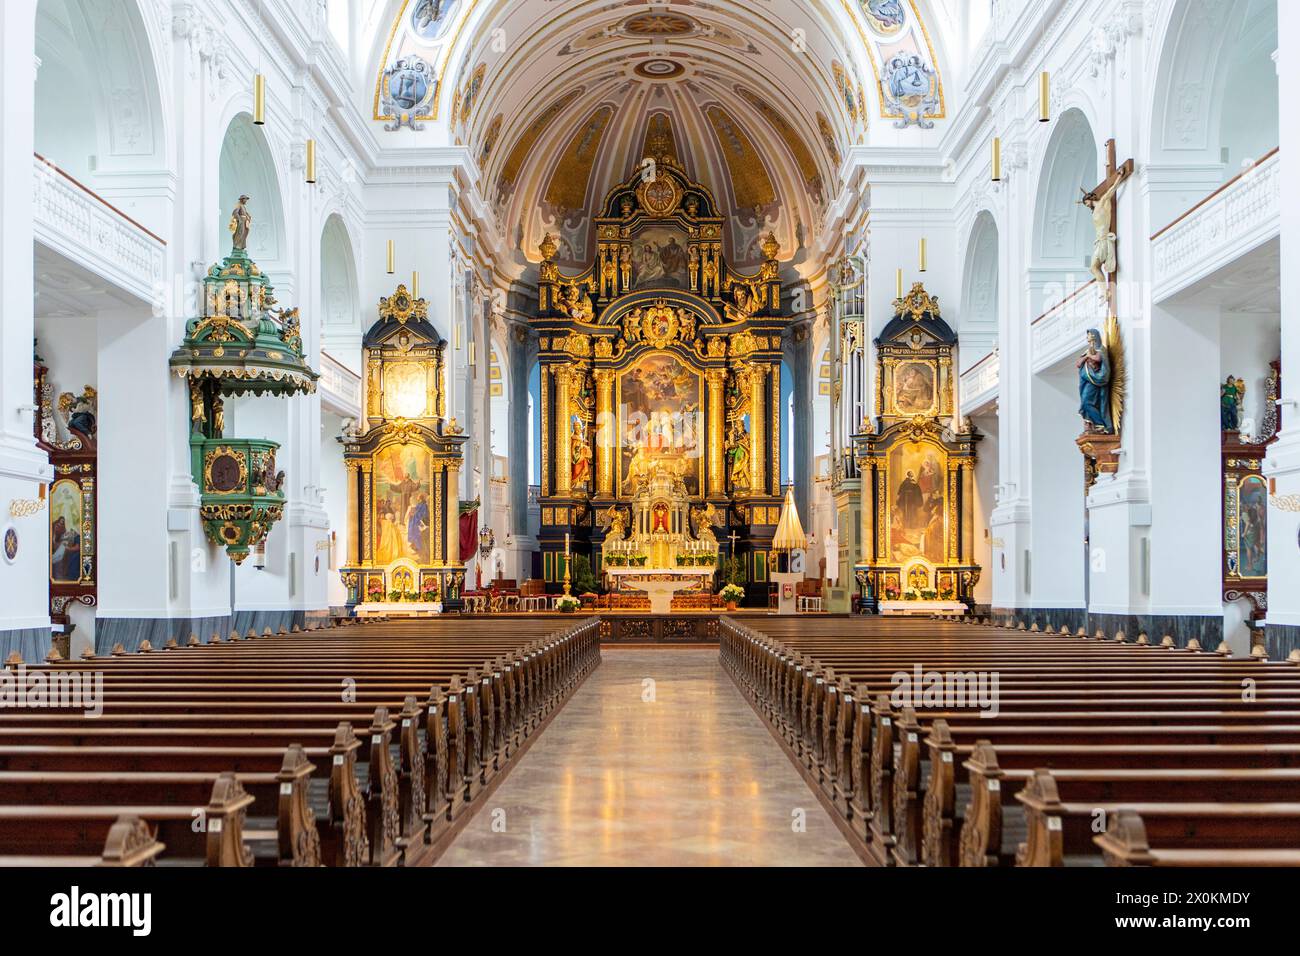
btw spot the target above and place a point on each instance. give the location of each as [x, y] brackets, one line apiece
[24, 469]
[1283, 463]
[1009, 521]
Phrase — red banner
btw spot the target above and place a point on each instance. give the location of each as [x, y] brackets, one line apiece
[468, 535]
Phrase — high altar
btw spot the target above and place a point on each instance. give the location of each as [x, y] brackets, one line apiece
[660, 397]
[917, 471]
[404, 549]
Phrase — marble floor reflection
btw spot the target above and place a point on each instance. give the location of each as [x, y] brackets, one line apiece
[657, 760]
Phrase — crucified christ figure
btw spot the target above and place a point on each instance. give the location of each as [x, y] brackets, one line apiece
[1103, 219]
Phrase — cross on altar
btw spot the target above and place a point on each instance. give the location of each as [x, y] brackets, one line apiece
[1105, 221]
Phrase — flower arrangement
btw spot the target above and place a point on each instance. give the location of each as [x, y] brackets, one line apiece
[567, 604]
[615, 560]
[921, 594]
[396, 595]
[375, 590]
[429, 590]
[891, 592]
[732, 593]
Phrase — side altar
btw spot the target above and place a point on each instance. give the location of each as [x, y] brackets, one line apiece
[403, 463]
[660, 394]
[918, 471]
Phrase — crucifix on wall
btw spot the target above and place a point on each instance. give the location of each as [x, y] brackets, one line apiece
[1105, 221]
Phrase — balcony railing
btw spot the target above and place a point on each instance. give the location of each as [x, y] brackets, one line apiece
[1241, 215]
[340, 387]
[979, 383]
[1060, 330]
[72, 220]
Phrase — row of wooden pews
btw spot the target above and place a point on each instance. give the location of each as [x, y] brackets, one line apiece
[1098, 751]
[358, 745]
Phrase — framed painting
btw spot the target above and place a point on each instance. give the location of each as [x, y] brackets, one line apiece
[659, 259]
[917, 502]
[915, 390]
[65, 531]
[403, 499]
[660, 422]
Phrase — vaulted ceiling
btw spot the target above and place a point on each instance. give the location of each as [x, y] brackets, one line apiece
[758, 100]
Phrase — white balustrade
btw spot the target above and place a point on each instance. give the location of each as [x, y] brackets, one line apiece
[1240, 217]
[73, 221]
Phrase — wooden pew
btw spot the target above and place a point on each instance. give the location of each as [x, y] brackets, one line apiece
[1180, 836]
[128, 841]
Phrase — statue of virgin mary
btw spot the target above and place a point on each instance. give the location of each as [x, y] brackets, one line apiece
[1094, 386]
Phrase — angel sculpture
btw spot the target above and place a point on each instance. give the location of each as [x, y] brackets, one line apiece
[1102, 379]
[612, 520]
[1231, 395]
[705, 520]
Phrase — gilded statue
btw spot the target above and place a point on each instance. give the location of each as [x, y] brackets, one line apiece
[738, 456]
[575, 303]
[197, 415]
[745, 302]
[241, 223]
[613, 521]
[705, 520]
[632, 326]
[625, 265]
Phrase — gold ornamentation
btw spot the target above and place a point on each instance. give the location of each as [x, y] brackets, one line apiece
[917, 303]
[401, 307]
[224, 485]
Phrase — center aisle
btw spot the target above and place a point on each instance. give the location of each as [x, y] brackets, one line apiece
[656, 760]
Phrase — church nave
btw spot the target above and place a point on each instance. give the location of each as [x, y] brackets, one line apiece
[657, 760]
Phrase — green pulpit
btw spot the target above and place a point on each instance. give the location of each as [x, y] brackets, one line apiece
[241, 344]
[242, 493]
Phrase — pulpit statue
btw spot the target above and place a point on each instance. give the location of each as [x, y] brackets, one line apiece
[241, 222]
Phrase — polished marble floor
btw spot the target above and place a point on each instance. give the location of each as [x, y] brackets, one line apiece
[657, 760]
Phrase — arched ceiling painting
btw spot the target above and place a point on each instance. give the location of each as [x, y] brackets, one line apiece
[559, 101]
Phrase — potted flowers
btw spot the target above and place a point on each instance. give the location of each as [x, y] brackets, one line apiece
[567, 604]
[731, 594]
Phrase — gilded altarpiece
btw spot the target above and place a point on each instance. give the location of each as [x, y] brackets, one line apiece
[403, 467]
[659, 363]
[917, 471]
[73, 498]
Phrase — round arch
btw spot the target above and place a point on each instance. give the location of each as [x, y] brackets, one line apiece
[1062, 239]
[118, 125]
[340, 301]
[1215, 99]
[247, 167]
[978, 326]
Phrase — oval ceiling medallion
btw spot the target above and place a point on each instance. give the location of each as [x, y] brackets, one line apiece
[658, 25]
[659, 70]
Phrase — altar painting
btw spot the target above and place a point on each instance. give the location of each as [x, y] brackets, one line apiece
[406, 391]
[1252, 528]
[65, 532]
[659, 259]
[914, 389]
[403, 502]
[661, 426]
[917, 502]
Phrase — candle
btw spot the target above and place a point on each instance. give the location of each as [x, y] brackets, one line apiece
[566, 544]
